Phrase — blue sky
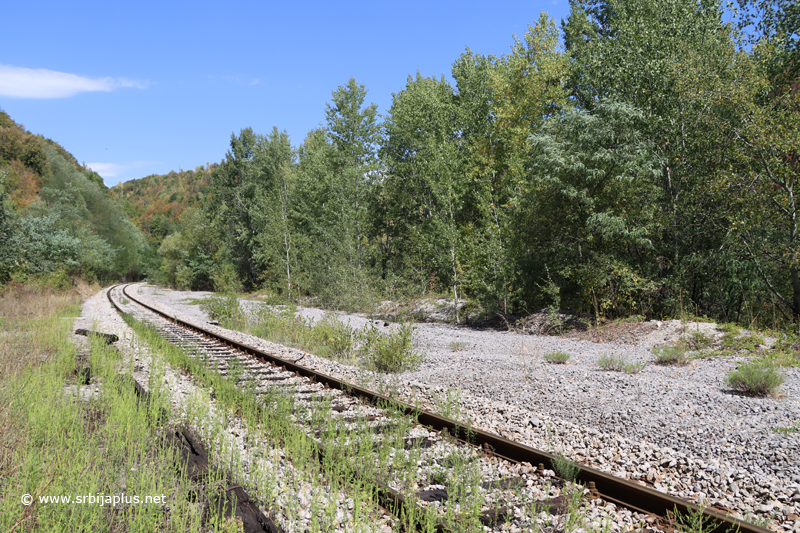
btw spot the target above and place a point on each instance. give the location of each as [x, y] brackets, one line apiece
[138, 88]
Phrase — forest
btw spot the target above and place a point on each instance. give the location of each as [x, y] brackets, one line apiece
[638, 159]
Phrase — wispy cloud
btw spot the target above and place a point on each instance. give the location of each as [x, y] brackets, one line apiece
[109, 170]
[21, 82]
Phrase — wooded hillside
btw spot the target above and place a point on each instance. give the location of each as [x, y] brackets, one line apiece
[57, 217]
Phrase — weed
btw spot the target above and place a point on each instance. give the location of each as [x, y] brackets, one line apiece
[448, 403]
[697, 340]
[457, 346]
[334, 335]
[390, 352]
[223, 308]
[565, 468]
[671, 355]
[758, 378]
[618, 363]
[634, 367]
[611, 362]
[692, 522]
[795, 428]
[556, 357]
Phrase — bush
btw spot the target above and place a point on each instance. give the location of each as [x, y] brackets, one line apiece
[617, 363]
[556, 357]
[390, 352]
[697, 340]
[758, 378]
[671, 355]
[333, 334]
[223, 308]
[565, 468]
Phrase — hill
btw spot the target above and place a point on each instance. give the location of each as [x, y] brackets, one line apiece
[156, 202]
[57, 216]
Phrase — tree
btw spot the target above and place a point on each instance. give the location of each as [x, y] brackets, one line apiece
[272, 206]
[669, 59]
[354, 133]
[595, 174]
[761, 179]
[424, 174]
[233, 187]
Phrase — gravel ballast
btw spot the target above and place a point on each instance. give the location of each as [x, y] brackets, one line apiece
[678, 429]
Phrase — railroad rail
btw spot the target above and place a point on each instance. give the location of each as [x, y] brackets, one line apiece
[622, 492]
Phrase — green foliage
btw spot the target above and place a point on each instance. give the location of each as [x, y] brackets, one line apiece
[618, 363]
[390, 352]
[225, 309]
[457, 346]
[556, 357]
[758, 378]
[671, 355]
[57, 216]
[787, 430]
[697, 340]
[565, 468]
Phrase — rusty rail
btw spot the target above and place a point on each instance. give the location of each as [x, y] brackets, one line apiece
[620, 491]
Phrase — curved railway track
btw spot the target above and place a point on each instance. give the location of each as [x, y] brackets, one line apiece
[221, 350]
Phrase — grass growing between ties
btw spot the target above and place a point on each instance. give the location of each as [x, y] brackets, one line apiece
[758, 378]
[558, 358]
[304, 437]
[390, 350]
[63, 440]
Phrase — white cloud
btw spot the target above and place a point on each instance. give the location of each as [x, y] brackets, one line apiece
[109, 170]
[20, 82]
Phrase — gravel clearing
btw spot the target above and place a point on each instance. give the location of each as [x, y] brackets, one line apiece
[678, 429]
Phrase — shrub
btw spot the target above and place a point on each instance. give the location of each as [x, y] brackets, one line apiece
[390, 352]
[697, 340]
[556, 357]
[565, 468]
[457, 346]
[671, 355]
[757, 378]
[618, 363]
[611, 362]
[223, 308]
[333, 334]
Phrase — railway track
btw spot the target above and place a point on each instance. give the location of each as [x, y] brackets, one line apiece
[520, 471]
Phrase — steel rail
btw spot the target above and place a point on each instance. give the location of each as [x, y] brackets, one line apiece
[385, 496]
[617, 490]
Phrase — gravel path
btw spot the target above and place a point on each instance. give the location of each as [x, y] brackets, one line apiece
[678, 429]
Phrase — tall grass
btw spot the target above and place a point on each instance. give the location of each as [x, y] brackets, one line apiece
[61, 440]
[390, 351]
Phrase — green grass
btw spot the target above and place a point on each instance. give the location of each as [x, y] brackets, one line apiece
[757, 378]
[558, 358]
[59, 443]
[618, 363]
[389, 351]
[697, 340]
[457, 346]
[565, 468]
[671, 355]
[795, 428]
